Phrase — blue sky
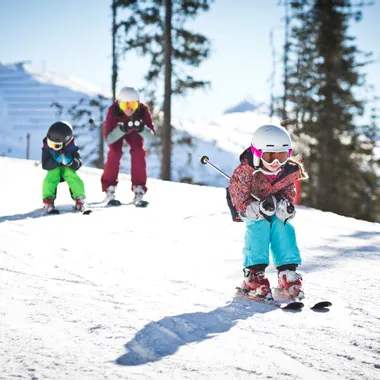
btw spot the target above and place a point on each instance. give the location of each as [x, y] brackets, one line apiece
[73, 37]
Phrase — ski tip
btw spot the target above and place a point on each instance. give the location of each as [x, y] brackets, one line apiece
[114, 202]
[53, 212]
[142, 204]
[293, 306]
[321, 305]
[87, 212]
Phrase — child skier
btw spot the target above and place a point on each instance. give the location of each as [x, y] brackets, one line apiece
[262, 189]
[126, 119]
[60, 157]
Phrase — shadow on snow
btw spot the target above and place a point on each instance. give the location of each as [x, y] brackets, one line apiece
[37, 213]
[164, 337]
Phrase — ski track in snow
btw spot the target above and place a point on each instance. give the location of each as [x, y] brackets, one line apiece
[129, 293]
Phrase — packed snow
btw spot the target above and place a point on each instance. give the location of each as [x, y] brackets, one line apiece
[131, 293]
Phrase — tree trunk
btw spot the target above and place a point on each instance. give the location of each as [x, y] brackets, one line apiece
[114, 54]
[101, 143]
[166, 129]
[286, 59]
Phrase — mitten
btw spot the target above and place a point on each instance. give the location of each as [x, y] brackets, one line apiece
[253, 211]
[138, 126]
[126, 126]
[268, 206]
[285, 210]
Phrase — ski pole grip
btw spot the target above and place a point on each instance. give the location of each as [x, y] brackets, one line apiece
[91, 121]
[204, 160]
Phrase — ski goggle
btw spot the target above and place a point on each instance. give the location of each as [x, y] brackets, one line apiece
[128, 105]
[54, 145]
[271, 157]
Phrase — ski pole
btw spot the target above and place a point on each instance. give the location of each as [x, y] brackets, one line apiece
[95, 122]
[290, 207]
[205, 160]
[267, 204]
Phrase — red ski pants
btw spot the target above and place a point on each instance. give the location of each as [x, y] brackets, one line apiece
[138, 162]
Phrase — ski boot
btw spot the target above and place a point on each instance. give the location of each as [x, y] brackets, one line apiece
[257, 284]
[139, 195]
[49, 205]
[290, 284]
[110, 193]
[111, 200]
[80, 204]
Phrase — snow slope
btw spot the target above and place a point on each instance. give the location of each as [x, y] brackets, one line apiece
[129, 293]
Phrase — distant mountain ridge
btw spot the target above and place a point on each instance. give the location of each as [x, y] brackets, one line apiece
[247, 105]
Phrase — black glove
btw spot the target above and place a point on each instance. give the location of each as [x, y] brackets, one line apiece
[138, 126]
[126, 126]
[268, 206]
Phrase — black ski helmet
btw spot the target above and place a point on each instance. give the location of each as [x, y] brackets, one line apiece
[60, 132]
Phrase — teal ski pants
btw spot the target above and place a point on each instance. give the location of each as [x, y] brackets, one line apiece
[264, 237]
[53, 178]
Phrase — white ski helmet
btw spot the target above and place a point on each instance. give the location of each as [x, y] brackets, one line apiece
[270, 138]
[128, 94]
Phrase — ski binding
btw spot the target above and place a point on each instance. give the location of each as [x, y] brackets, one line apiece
[293, 305]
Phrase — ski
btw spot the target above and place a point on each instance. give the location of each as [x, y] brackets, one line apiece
[114, 202]
[322, 305]
[98, 206]
[56, 211]
[293, 305]
[141, 203]
[279, 295]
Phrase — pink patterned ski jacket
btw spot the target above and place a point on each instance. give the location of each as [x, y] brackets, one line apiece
[245, 182]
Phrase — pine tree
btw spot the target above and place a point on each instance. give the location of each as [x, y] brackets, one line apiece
[115, 55]
[156, 28]
[324, 111]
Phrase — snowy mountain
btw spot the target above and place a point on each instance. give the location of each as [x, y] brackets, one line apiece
[247, 105]
[26, 96]
[129, 293]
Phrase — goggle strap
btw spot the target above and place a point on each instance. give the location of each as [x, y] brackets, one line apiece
[259, 152]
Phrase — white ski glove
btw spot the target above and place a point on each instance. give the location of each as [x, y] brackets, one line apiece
[253, 211]
[268, 206]
[285, 210]
[263, 209]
